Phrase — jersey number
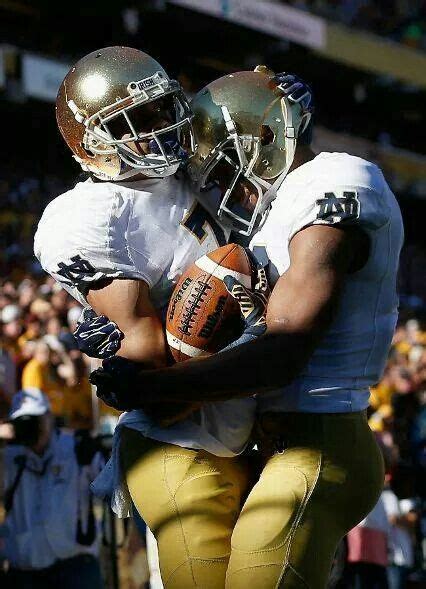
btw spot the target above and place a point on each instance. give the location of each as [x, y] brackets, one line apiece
[197, 220]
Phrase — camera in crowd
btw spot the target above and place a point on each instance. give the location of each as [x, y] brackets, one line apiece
[26, 430]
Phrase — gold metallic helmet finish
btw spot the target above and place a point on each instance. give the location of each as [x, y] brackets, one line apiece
[243, 118]
[107, 84]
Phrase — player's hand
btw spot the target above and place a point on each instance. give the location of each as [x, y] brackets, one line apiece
[296, 90]
[116, 383]
[253, 303]
[97, 336]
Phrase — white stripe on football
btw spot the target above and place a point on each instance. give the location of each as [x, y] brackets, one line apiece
[178, 344]
[207, 264]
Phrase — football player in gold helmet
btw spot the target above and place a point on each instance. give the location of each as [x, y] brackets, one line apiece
[121, 115]
[246, 137]
[118, 242]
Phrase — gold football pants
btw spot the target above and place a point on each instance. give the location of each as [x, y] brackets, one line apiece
[326, 479]
[191, 501]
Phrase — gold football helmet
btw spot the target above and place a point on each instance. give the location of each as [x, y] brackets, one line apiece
[121, 114]
[246, 133]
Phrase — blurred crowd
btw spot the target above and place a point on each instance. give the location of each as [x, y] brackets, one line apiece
[37, 316]
[398, 418]
[398, 403]
[401, 20]
[38, 350]
[22, 200]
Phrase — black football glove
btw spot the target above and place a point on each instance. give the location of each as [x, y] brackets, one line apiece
[253, 303]
[115, 386]
[97, 336]
[296, 90]
[115, 382]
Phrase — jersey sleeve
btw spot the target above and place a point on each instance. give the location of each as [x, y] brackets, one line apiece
[82, 238]
[341, 205]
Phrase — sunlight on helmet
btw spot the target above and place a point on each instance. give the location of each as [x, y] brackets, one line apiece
[94, 85]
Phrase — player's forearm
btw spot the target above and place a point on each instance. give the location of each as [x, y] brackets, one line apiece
[144, 342]
[270, 362]
[127, 303]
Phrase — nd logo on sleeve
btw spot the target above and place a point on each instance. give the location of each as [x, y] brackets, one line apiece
[78, 270]
[338, 208]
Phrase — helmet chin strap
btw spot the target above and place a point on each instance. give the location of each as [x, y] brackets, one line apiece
[168, 171]
[129, 173]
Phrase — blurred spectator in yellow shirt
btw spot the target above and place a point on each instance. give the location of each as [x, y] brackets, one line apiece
[77, 408]
[40, 373]
[400, 341]
[396, 380]
[33, 331]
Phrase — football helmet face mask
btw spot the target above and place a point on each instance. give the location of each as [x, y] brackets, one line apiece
[122, 115]
[246, 133]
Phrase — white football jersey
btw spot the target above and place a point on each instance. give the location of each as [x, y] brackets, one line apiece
[150, 230]
[339, 189]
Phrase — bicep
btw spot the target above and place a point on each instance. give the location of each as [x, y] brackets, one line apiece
[127, 302]
[305, 296]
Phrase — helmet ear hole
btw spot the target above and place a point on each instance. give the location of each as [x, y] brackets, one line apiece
[267, 136]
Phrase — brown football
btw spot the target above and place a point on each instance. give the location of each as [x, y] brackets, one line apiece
[202, 317]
